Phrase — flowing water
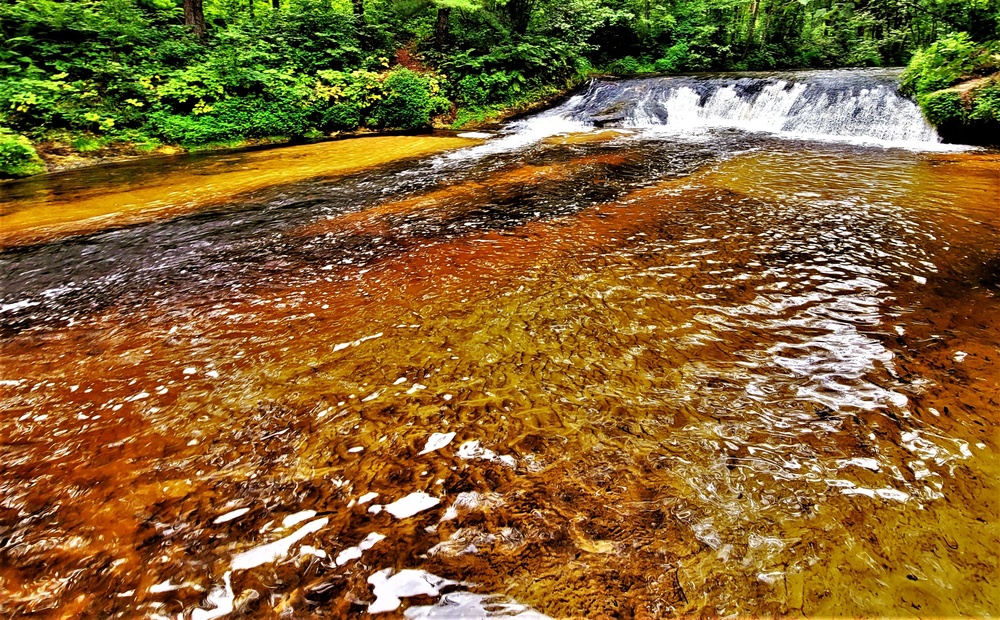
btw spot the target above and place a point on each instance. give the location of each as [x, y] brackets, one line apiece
[726, 355]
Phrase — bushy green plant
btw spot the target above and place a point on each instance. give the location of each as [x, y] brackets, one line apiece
[339, 116]
[631, 66]
[966, 114]
[944, 107]
[674, 58]
[490, 88]
[190, 130]
[262, 116]
[946, 63]
[407, 103]
[986, 105]
[17, 157]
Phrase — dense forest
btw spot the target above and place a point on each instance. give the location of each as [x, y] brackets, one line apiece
[85, 74]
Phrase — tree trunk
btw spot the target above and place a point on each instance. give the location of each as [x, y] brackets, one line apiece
[275, 4]
[752, 26]
[359, 10]
[441, 30]
[194, 17]
[519, 13]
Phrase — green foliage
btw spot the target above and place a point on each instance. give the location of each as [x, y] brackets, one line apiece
[986, 104]
[969, 113]
[631, 66]
[947, 62]
[407, 102]
[944, 107]
[487, 89]
[476, 115]
[339, 117]
[17, 157]
[675, 58]
[92, 72]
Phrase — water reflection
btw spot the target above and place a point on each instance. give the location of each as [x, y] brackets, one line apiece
[621, 377]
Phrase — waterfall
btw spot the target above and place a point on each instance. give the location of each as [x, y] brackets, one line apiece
[858, 105]
[846, 105]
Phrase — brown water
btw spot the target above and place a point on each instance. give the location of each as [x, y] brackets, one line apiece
[709, 377]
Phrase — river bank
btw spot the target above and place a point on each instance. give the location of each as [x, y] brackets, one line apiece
[85, 150]
[154, 187]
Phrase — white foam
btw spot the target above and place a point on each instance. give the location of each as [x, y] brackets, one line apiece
[298, 517]
[801, 107]
[276, 550]
[310, 550]
[411, 505]
[473, 450]
[521, 134]
[222, 601]
[354, 553]
[165, 586]
[887, 493]
[391, 588]
[865, 463]
[354, 343]
[229, 516]
[472, 606]
[468, 501]
[18, 305]
[437, 441]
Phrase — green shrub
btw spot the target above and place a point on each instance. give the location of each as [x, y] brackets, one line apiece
[485, 89]
[986, 104]
[631, 66]
[944, 107]
[339, 117]
[674, 58]
[473, 90]
[407, 103]
[945, 63]
[17, 157]
[262, 117]
[865, 53]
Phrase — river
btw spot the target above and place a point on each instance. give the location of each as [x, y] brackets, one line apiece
[709, 345]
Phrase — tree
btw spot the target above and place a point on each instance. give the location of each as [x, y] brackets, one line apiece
[519, 14]
[441, 27]
[194, 17]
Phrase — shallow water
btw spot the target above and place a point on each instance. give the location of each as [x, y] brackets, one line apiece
[625, 376]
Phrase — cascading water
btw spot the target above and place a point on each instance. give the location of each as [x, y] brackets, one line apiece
[843, 105]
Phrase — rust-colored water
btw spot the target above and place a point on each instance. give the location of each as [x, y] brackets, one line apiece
[46, 208]
[752, 377]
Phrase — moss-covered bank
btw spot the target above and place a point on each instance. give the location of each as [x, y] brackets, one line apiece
[956, 81]
[18, 158]
[967, 113]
